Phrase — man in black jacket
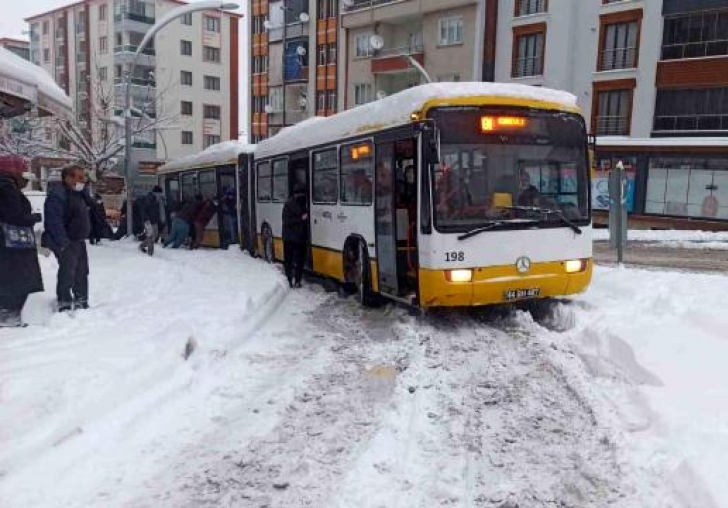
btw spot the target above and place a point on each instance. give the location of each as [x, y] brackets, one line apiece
[295, 222]
[67, 225]
[153, 215]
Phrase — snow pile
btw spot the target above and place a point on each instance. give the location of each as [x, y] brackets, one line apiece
[157, 326]
[655, 349]
[226, 152]
[396, 110]
[673, 238]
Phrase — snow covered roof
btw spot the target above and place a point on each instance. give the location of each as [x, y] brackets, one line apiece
[397, 110]
[30, 82]
[657, 142]
[226, 152]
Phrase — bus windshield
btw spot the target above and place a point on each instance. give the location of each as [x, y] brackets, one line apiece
[509, 168]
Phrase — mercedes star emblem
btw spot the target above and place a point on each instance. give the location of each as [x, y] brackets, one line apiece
[523, 264]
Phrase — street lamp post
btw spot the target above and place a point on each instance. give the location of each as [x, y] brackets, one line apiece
[164, 21]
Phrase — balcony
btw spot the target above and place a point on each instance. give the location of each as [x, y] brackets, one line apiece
[695, 50]
[131, 48]
[357, 5]
[293, 30]
[393, 59]
[136, 81]
[713, 124]
[292, 116]
[140, 17]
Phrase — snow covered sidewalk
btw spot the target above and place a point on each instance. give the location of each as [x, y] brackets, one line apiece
[93, 374]
[687, 239]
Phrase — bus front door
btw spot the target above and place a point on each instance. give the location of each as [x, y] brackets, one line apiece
[386, 221]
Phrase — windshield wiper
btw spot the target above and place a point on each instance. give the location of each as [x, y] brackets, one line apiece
[547, 211]
[492, 225]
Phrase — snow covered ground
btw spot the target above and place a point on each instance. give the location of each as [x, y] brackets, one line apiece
[673, 238]
[302, 398]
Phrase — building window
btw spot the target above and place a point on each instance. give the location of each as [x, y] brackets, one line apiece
[326, 177]
[363, 93]
[327, 9]
[212, 24]
[46, 55]
[185, 78]
[331, 54]
[186, 108]
[528, 7]
[186, 19]
[186, 137]
[692, 110]
[258, 24]
[363, 47]
[357, 173]
[695, 35]
[211, 54]
[331, 100]
[103, 12]
[321, 101]
[212, 83]
[528, 54]
[45, 28]
[321, 56]
[451, 31]
[212, 112]
[185, 48]
[613, 112]
[103, 73]
[103, 45]
[260, 64]
[210, 139]
[619, 46]
[275, 99]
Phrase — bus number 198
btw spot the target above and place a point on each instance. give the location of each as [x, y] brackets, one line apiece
[453, 256]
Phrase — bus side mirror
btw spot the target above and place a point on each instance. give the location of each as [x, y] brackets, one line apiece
[433, 147]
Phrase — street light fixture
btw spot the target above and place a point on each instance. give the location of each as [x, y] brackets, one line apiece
[164, 21]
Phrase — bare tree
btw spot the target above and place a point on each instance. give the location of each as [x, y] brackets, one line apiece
[93, 138]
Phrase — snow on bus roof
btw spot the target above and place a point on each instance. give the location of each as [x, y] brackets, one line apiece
[222, 153]
[396, 110]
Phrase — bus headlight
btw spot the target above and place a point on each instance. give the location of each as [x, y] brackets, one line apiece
[459, 275]
[575, 265]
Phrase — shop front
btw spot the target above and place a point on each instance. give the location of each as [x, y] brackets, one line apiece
[671, 184]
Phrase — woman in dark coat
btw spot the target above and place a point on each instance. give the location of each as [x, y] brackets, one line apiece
[19, 269]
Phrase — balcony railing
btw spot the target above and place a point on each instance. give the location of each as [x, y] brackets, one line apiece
[612, 126]
[131, 48]
[400, 51]
[694, 50]
[618, 58]
[136, 81]
[529, 66]
[140, 16]
[691, 123]
[366, 4]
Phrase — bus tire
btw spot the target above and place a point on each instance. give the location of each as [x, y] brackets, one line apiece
[360, 277]
[269, 252]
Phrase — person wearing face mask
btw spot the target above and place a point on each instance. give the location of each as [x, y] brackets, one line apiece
[153, 214]
[67, 226]
[19, 269]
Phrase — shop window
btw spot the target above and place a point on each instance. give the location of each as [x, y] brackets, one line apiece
[600, 181]
[688, 187]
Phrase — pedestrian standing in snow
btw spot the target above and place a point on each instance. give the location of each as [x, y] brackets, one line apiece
[153, 214]
[67, 225]
[295, 220]
[204, 215]
[19, 269]
[230, 219]
[99, 227]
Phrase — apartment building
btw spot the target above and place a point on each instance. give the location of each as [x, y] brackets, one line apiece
[652, 79]
[293, 63]
[188, 75]
[17, 46]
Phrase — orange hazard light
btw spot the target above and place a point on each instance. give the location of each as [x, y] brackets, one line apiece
[494, 123]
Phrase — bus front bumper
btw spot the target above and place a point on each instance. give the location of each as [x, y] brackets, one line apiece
[502, 284]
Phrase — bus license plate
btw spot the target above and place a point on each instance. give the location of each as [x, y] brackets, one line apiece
[520, 294]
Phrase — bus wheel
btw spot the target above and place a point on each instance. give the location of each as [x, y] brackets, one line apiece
[360, 278]
[268, 248]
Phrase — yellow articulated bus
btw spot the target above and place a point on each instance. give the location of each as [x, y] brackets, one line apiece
[445, 194]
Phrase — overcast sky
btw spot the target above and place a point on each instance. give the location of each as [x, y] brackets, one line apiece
[12, 13]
